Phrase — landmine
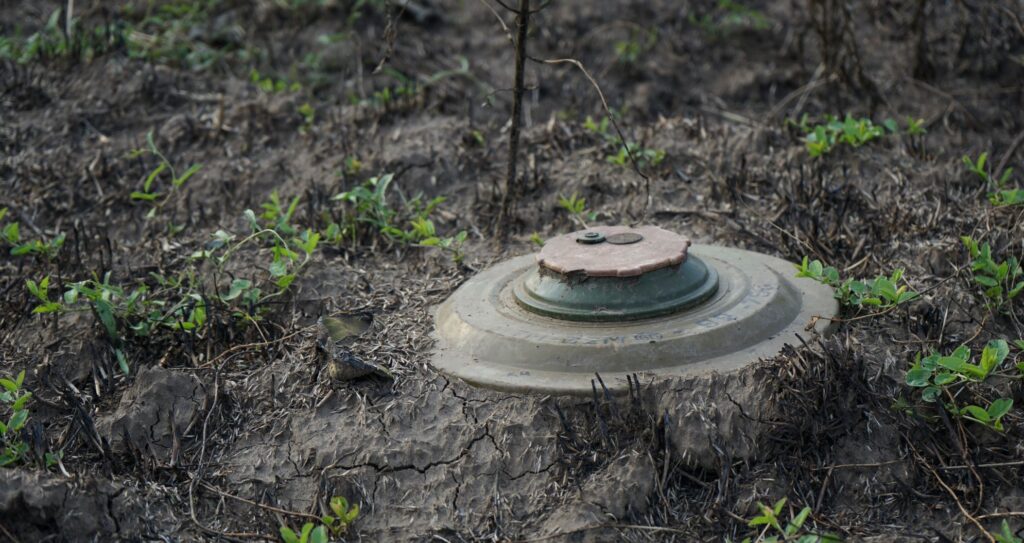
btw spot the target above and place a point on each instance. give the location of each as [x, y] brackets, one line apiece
[618, 301]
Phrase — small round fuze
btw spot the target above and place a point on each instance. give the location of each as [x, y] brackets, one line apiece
[650, 307]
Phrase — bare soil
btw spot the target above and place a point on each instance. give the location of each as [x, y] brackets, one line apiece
[230, 431]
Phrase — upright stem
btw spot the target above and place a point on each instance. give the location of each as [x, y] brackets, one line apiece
[511, 185]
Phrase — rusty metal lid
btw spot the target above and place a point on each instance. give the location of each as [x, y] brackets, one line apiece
[615, 274]
[622, 251]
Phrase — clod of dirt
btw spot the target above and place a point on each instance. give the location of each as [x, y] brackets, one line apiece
[155, 411]
[714, 414]
[619, 490]
[35, 504]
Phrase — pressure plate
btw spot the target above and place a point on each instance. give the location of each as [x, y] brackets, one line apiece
[618, 301]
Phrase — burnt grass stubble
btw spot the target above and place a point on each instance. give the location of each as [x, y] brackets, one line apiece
[232, 431]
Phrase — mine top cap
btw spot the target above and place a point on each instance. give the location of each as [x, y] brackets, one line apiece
[613, 251]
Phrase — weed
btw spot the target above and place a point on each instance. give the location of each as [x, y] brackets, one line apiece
[640, 42]
[51, 42]
[617, 153]
[343, 516]
[309, 534]
[367, 213]
[1001, 281]
[770, 523]
[1006, 535]
[823, 138]
[536, 239]
[352, 166]
[727, 17]
[270, 85]
[14, 400]
[995, 182]
[577, 209]
[337, 524]
[147, 194]
[10, 234]
[451, 245]
[308, 117]
[915, 127]
[935, 373]
[881, 292]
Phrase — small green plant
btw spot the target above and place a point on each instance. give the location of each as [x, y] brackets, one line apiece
[770, 522]
[13, 399]
[451, 245]
[640, 42]
[368, 213]
[536, 239]
[308, 534]
[996, 182]
[10, 234]
[915, 127]
[619, 154]
[343, 516]
[644, 156]
[147, 194]
[270, 85]
[1001, 281]
[308, 117]
[727, 17]
[821, 139]
[935, 373]
[576, 207]
[1006, 535]
[881, 292]
[337, 523]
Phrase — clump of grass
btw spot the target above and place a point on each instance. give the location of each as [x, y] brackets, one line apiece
[367, 216]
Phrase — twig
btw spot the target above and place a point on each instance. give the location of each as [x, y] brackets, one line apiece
[1009, 153]
[960, 505]
[615, 125]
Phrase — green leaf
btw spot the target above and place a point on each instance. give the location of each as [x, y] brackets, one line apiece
[1000, 407]
[105, 311]
[319, 535]
[918, 377]
[931, 394]
[944, 378]
[8, 384]
[278, 268]
[20, 402]
[285, 281]
[798, 521]
[288, 535]
[188, 173]
[147, 196]
[153, 175]
[237, 286]
[18, 420]
[977, 413]
[122, 361]
[995, 352]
